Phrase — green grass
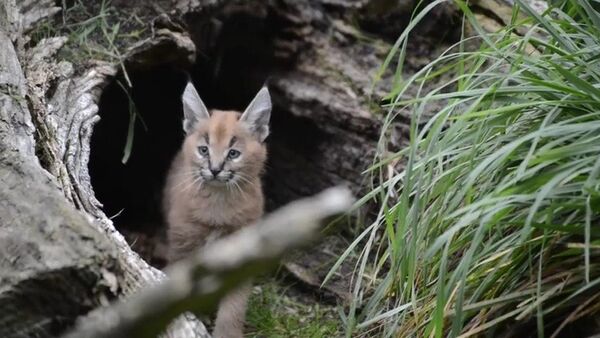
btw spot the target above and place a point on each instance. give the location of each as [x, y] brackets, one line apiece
[273, 312]
[95, 30]
[492, 223]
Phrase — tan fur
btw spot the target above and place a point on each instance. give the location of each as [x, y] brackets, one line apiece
[199, 210]
[230, 317]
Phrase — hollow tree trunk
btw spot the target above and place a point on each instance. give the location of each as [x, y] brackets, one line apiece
[60, 255]
[56, 262]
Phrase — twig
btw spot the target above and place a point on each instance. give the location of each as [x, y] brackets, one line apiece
[196, 284]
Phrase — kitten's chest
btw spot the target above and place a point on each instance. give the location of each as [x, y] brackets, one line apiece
[225, 211]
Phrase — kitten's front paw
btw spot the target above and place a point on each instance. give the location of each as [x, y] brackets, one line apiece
[229, 332]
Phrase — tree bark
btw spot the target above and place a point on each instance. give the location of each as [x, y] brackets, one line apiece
[56, 263]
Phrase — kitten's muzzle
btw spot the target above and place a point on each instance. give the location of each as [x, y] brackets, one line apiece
[217, 175]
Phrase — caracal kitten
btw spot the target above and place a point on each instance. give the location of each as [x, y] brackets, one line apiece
[213, 187]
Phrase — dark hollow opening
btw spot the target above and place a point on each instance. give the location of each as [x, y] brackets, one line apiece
[131, 191]
[235, 59]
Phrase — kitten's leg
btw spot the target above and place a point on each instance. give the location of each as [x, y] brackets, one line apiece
[184, 239]
[232, 313]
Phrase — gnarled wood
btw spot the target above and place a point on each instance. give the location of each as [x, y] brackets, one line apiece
[56, 263]
[53, 265]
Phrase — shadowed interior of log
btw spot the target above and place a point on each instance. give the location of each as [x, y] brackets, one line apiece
[131, 192]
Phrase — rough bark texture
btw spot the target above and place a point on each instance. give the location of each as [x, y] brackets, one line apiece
[53, 265]
[56, 264]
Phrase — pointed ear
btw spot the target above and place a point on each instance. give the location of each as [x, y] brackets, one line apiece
[194, 109]
[257, 115]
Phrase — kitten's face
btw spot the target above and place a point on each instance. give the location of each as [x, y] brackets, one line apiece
[225, 148]
[222, 150]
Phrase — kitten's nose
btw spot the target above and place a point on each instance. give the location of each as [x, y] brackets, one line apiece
[215, 171]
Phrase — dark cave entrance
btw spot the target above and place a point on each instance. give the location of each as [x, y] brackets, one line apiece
[131, 192]
[235, 58]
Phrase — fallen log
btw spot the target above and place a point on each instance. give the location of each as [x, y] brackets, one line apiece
[56, 263]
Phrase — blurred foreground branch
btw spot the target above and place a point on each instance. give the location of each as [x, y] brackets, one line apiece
[196, 284]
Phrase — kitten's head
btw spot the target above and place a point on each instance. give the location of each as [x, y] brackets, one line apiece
[224, 147]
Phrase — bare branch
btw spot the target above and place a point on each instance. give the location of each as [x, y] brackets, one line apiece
[196, 284]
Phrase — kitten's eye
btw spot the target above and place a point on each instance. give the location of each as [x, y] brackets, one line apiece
[233, 154]
[203, 150]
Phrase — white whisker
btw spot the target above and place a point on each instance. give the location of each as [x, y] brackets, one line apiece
[191, 185]
[246, 180]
